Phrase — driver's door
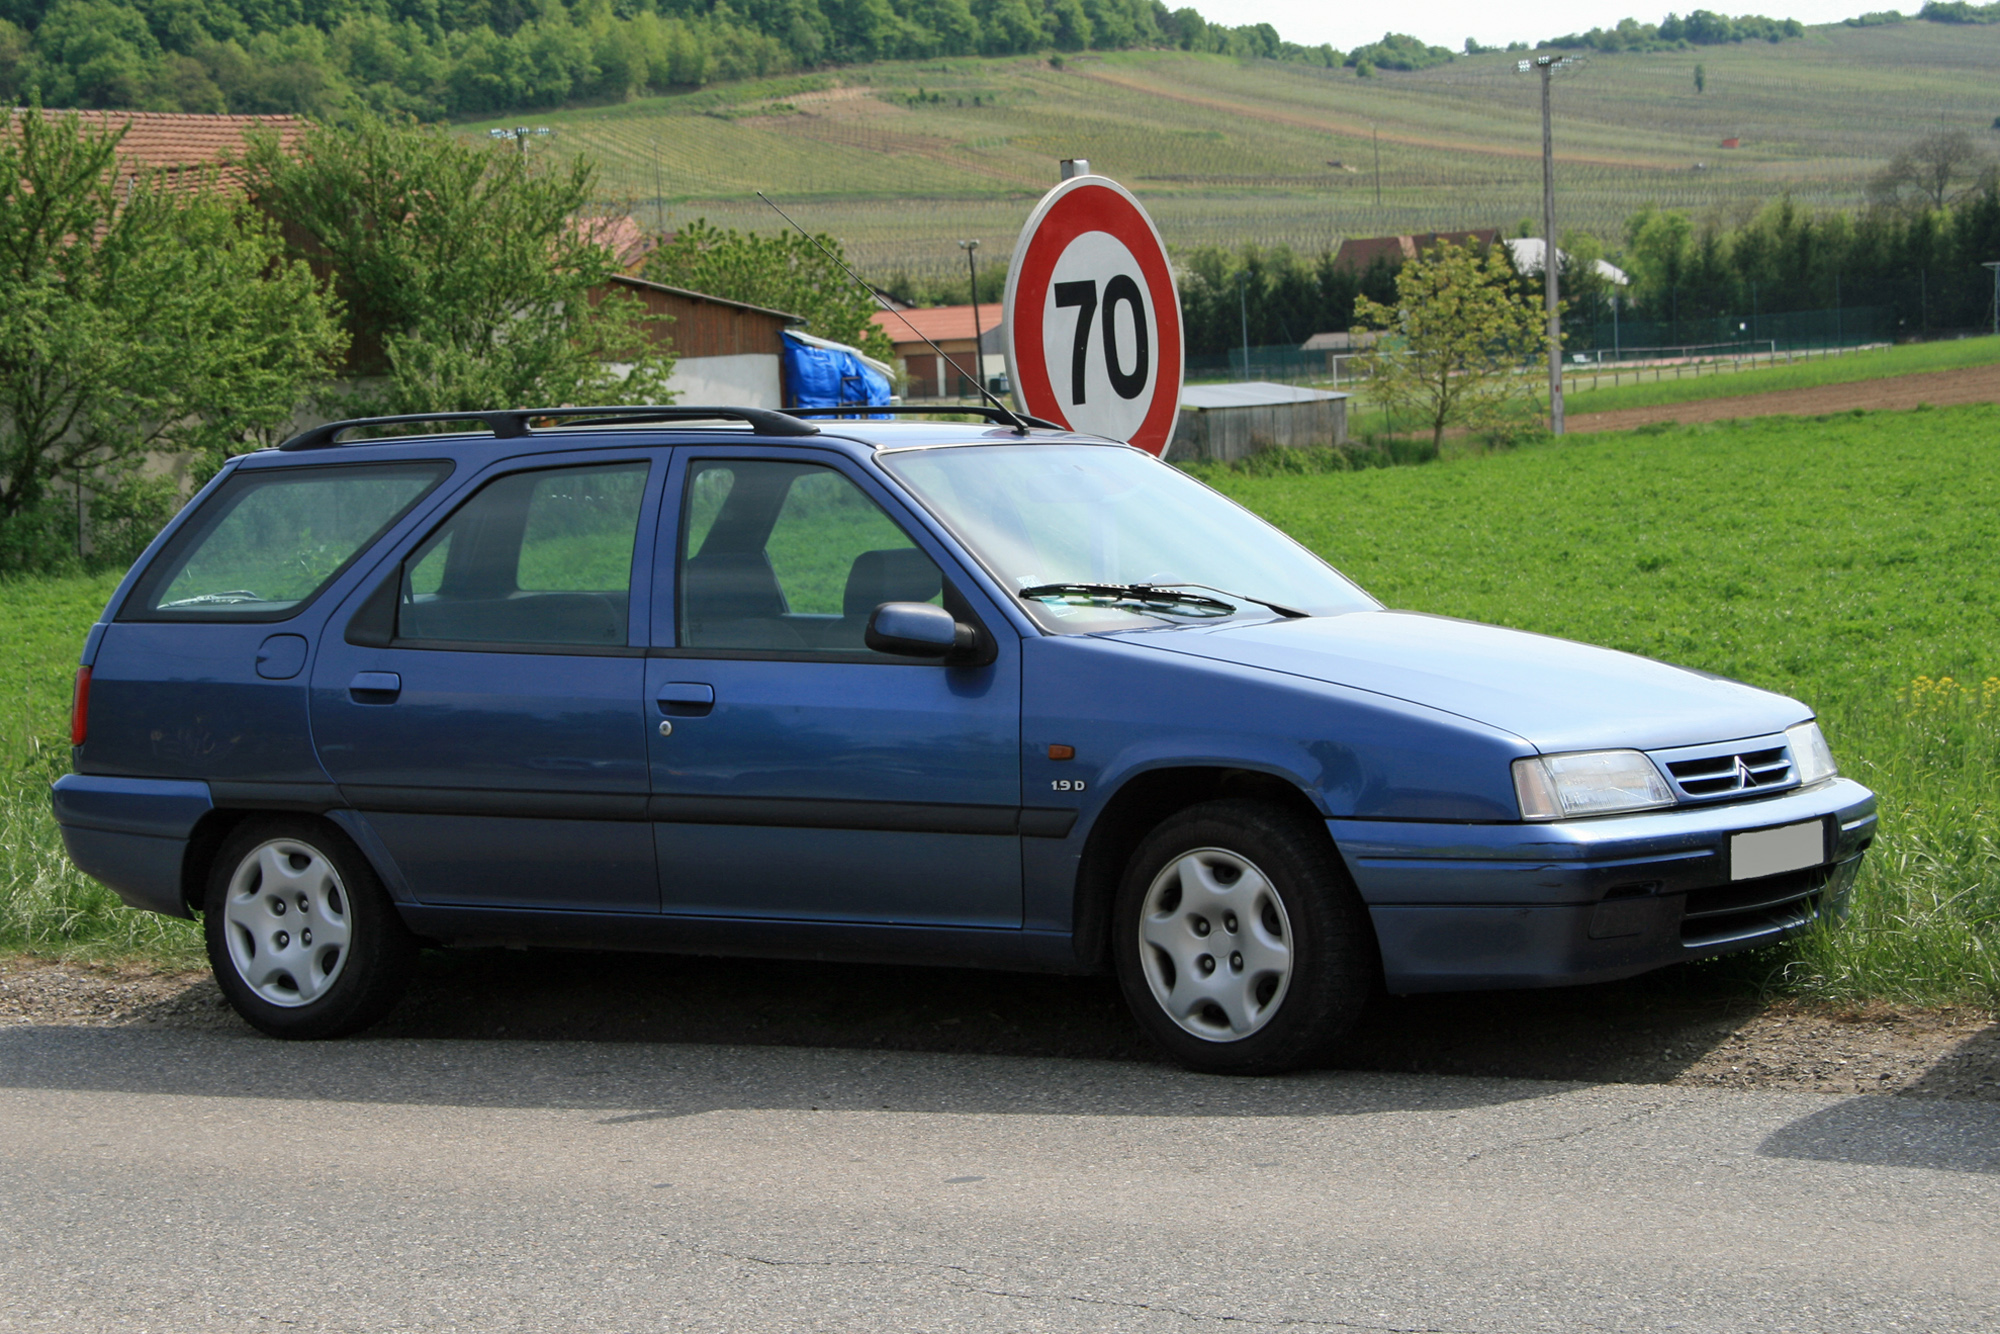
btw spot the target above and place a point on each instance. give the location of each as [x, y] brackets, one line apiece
[796, 774]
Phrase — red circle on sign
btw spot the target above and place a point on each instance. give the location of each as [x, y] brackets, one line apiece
[1091, 204]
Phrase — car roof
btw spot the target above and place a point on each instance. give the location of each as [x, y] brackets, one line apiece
[515, 432]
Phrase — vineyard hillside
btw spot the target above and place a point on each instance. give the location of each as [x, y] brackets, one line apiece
[901, 159]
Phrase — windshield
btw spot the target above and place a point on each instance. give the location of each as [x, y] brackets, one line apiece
[1090, 537]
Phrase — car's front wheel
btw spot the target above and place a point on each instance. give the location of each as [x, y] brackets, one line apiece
[1239, 941]
[302, 938]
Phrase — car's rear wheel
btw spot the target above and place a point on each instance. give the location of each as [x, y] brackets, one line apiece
[302, 938]
[1239, 941]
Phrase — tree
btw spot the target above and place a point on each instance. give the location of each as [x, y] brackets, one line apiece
[136, 318]
[1456, 341]
[1933, 173]
[784, 271]
[1700, 79]
[468, 278]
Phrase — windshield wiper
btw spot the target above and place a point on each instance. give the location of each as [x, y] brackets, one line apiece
[1289, 613]
[234, 595]
[1144, 598]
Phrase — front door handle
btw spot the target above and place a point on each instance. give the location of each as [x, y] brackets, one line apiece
[375, 687]
[686, 699]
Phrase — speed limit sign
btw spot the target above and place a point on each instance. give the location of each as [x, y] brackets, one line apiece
[1093, 321]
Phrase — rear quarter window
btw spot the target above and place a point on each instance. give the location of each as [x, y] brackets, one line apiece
[271, 539]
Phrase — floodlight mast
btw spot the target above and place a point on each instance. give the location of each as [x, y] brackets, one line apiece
[1546, 66]
[1993, 266]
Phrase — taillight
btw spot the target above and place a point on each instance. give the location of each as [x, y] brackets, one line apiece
[79, 708]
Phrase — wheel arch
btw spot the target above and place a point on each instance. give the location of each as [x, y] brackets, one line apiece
[213, 830]
[1140, 804]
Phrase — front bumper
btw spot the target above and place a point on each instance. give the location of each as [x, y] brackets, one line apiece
[1475, 906]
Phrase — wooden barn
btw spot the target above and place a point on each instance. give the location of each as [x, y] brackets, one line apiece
[728, 350]
[1226, 422]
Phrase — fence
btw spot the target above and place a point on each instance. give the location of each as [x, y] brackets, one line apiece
[1792, 330]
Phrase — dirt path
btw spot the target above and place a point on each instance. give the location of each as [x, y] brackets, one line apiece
[1970, 384]
[1669, 1028]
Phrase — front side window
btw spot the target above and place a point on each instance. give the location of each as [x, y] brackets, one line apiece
[1093, 538]
[270, 539]
[533, 558]
[787, 556]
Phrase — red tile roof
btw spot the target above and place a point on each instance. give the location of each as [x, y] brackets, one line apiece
[938, 323]
[1361, 251]
[177, 142]
[623, 236]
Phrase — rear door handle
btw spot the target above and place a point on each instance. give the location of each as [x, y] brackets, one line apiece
[375, 687]
[686, 699]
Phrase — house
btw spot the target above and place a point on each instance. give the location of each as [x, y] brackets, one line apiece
[1226, 422]
[1359, 252]
[1526, 252]
[184, 148]
[928, 375]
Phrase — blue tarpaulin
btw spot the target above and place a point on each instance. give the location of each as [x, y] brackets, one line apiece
[823, 374]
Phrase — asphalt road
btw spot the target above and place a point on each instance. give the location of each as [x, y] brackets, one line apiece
[194, 1180]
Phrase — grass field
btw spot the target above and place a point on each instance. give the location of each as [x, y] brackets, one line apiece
[1599, 394]
[1846, 561]
[900, 160]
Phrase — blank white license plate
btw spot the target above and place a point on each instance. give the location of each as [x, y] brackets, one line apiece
[1774, 851]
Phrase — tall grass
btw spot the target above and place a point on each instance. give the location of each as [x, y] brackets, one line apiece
[46, 905]
[1927, 907]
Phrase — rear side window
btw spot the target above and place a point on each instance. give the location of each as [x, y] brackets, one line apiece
[266, 543]
[533, 558]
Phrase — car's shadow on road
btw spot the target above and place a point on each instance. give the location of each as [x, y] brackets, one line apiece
[1646, 1030]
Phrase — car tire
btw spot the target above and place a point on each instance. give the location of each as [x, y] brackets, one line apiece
[1239, 940]
[303, 940]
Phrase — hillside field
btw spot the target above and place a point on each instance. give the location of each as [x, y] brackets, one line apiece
[1847, 561]
[901, 160]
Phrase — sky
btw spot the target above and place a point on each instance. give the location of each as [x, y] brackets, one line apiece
[1450, 22]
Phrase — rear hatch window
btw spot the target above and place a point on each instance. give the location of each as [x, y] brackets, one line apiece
[269, 539]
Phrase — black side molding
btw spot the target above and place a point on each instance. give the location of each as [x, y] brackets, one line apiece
[312, 798]
[764, 812]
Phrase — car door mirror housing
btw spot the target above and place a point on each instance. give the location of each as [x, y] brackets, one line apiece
[919, 630]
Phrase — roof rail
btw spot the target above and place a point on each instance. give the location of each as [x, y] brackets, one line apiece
[513, 423]
[1003, 415]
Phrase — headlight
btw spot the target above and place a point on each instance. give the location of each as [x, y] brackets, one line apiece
[1592, 782]
[1811, 756]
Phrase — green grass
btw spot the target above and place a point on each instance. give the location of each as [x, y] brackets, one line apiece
[1850, 368]
[1225, 151]
[1836, 560]
[46, 905]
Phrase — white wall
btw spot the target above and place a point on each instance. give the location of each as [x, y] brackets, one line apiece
[748, 381]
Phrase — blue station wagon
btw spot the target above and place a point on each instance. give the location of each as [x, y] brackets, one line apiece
[729, 681]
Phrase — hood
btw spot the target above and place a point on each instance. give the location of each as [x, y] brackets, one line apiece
[1555, 694]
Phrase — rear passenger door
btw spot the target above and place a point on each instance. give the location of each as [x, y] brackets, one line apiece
[482, 706]
[798, 775]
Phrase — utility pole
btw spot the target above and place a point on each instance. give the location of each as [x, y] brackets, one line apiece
[1994, 267]
[1376, 130]
[1546, 66]
[1243, 305]
[971, 249]
[520, 134]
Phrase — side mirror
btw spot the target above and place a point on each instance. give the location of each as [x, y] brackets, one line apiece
[917, 630]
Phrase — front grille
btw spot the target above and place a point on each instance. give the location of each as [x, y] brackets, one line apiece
[1730, 772]
[1750, 908]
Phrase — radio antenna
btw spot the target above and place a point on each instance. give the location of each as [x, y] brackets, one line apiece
[1011, 416]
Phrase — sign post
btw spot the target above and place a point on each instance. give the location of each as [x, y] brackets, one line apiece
[1093, 320]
